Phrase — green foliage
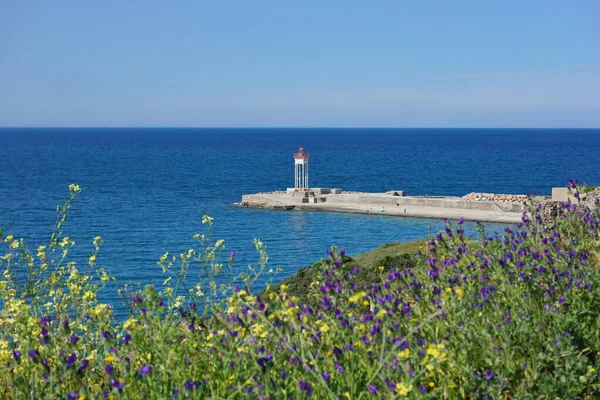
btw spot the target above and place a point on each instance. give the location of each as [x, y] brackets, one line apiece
[512, 316]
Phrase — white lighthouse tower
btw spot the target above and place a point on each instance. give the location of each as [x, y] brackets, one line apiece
[301, 170]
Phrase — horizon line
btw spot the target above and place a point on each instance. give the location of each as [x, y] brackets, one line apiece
[294, 127]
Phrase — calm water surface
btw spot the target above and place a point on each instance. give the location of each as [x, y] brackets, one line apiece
[145, 190]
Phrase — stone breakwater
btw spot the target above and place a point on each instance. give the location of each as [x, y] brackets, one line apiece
[390, 203]
[497, 198]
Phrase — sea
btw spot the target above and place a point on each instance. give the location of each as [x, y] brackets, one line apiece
[144, 191]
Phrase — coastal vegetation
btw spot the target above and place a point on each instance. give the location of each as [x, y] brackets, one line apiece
[512, 315]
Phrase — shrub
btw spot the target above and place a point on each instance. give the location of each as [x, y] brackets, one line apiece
[512, 316]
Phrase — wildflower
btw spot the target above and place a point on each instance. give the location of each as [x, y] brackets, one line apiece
[117, 385]
[403, 389]
[145, 370]
[489, 374]
[72, 396]
[71, 360]
[403, 354]
[303, 385]
[33, 354]
[74, 188]
[84, 365]
[373, 389]
[591, 370]
[356, 297]
[325, 376]
[108, 369]
[191, 385]
[126, 338]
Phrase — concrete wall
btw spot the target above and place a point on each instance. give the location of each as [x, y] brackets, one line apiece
[562, 195]
[394, 201]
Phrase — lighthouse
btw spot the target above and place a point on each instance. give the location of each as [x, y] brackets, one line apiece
[301, 170]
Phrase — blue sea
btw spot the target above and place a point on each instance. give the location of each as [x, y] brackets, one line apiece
[145, 190]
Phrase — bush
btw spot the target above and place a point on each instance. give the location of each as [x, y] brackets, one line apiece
[512, 316]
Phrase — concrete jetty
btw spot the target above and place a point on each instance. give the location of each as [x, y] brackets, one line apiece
[485, 207]
[394, 202]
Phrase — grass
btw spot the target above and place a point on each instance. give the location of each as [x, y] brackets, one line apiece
[399, 253]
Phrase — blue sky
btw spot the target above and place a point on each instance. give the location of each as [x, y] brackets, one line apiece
[300, 63]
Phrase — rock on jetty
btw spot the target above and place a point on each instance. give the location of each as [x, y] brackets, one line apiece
[497, 198]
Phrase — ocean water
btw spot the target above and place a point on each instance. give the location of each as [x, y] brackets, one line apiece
[145, 190]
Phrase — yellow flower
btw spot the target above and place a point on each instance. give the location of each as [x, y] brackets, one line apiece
[402, 389]
[381, 314]
[9, 239]
[110, 359]
[591, 370]
[74, 188]
[356, 297]
[231, 378]
[431, 384]
[403, 354]
[459, 292]
[131, 323]
[381, 267]
[207, 220]
[324, 328]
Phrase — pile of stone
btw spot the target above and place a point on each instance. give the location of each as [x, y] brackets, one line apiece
[497, 198]
[589, 198]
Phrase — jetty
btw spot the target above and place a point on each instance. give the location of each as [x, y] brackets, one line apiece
[388, 203]
[484, 207]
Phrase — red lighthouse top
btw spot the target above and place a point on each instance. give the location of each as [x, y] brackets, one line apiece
[301, 153]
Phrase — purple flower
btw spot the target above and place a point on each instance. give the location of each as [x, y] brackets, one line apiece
[326, 376]
[108, 369]
[489, 374]
[33, 353]
[422, 388]
[44, 321]
[303, 385]
[145, 370]
[373, 389]
[189, 385]
[126, 338]
[73, 339]
[105, 335]
[84, 365]
[117, 385]
[72, 396]
[71, 360]
[17, 355]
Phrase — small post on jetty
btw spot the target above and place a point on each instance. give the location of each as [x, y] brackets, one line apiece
[301, 170]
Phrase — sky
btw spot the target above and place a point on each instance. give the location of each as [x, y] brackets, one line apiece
[193, 63]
